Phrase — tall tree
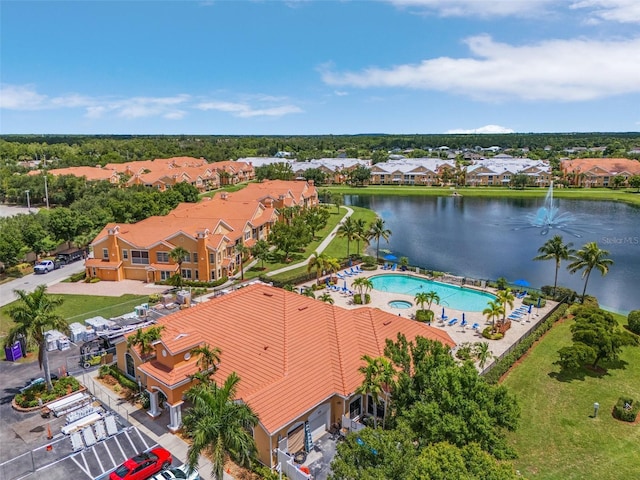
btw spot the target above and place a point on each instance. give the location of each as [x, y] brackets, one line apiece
[361, 233]
[144, 338]
[319, 262]
[260, 251]
[219, 425]
[378, 230]
[241, 251]
[208, 359]
[555, 249]
[506, 298]
[378, 379]
[590, 256]
[494, 310]
[178, 255]
[347, 230]
[33, 314]
[363, 285]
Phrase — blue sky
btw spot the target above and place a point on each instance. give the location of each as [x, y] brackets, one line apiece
[302, 67]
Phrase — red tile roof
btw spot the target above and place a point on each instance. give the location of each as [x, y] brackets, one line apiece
[291, 352]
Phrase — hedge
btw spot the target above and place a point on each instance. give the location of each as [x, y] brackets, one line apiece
[502, 366]
[626, 409]
[118, 375]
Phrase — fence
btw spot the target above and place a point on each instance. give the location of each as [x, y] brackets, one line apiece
[522, 338]
[118, 405]
[26, 464]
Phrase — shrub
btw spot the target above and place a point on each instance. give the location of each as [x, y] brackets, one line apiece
[14, 272]
[94, 280]
[487, 333]
[531, 300]
[502, 366]
[424, 315]
[76, 277]
[154, 298]
[633, 319]
[465, 351]
[590, 301]
[369, 261]
[118, 375]
[626, 409]
[358, 301]
[562, 293]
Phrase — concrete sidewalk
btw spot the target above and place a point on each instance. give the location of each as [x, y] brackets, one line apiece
[324, 244]
[156, 429]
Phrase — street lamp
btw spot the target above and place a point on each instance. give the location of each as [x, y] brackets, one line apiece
[28, 201]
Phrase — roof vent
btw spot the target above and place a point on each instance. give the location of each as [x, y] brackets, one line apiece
[302, 308]
[181, 335]
[386, 323]
[266, 294]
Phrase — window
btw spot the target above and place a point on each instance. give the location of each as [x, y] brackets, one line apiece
[195, 257]
[187, 258]
[164, 275]
[125, 254]
[105, 254]
[131, 370]
[355, 408]
[247, 235]
[186, 273]
[379, 407]
[197, 274]
[213, 275]
[162, 257]
[140, 257]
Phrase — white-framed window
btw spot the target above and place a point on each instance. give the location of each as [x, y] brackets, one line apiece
[162, 257]
[187, 258]
[164, 275]
[247, 235]
[197, 274]
[140, 257]
[186, 273]
[125, 254]
[105, 253]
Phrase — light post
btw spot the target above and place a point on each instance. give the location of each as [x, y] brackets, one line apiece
[28, 201]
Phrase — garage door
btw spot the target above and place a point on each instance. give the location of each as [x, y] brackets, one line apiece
[319, 422]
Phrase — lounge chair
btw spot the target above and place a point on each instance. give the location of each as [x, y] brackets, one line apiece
[395, 265]
[464, 323]
[452, 322]
[352, 271]
[358, 269]
[475, 326]
[340, 276]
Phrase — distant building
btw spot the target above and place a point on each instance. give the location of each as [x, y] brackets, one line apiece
[598, 172]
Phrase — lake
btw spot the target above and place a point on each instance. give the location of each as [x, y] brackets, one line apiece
[491, 238]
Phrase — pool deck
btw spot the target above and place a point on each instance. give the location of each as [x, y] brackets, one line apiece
[380, 299]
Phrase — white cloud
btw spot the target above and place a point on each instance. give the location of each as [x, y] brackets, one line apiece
[138, 107]
[485, 129]
[340, 93]
[558, 70]
[20, 97]
[623, 11]
[243, 110]
[476, 8]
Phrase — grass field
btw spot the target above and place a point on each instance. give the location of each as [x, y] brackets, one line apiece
[77, 308]
[558, 438]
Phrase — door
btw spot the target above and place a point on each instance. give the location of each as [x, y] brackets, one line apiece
[319, 421]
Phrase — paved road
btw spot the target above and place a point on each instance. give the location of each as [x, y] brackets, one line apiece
[31, 281]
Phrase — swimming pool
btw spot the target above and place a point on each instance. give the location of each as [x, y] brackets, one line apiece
[452, 296]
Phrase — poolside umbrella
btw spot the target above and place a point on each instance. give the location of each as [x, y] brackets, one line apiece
[529, 312]
[538, 303]
[522, 283]
[463, 316]
[344, 288]
[443, 312]
[390, 257]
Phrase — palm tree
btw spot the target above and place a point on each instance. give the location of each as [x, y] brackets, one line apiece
[241, 250]
[378, 377]
[178, 254]
[590, 256]
[493, 311]
[378, 230]
[144, 339]
[361, 233]
[347, 230]
[319, 261]
[209, 358]
[555, 249]
[505, 298]
[363, 285]
[33, 314]
[432, 296]
[219, 425]
[482, 352]
[327, 298]
[421, 298]
[308, 292]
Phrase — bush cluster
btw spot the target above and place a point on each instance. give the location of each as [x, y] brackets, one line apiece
[533, 300]
[358, 301]
[633, 319]
[77, 277]
[194, 283]
[626, 409]
[32, 397]
[502, 366]
[118, 375]
[424, 315]
[562, 293]
[488, 333]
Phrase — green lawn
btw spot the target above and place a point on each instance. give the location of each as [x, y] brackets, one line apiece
[557, 437]
[77, 308]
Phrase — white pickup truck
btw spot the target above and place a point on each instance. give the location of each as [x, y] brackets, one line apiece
[45, 266]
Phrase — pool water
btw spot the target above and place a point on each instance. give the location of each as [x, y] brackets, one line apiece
[452, 296]
[400, 304]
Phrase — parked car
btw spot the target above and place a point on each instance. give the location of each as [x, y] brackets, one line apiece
[45, 266]
[70, 255]
[178, 473]
[143, 465]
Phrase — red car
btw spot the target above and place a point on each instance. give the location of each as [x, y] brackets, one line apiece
[143, 465]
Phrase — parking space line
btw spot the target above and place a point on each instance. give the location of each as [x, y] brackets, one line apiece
[126, 432]
[146, 447]
[85, 469]
[106, 447]
[98, 459]
[124, 456]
